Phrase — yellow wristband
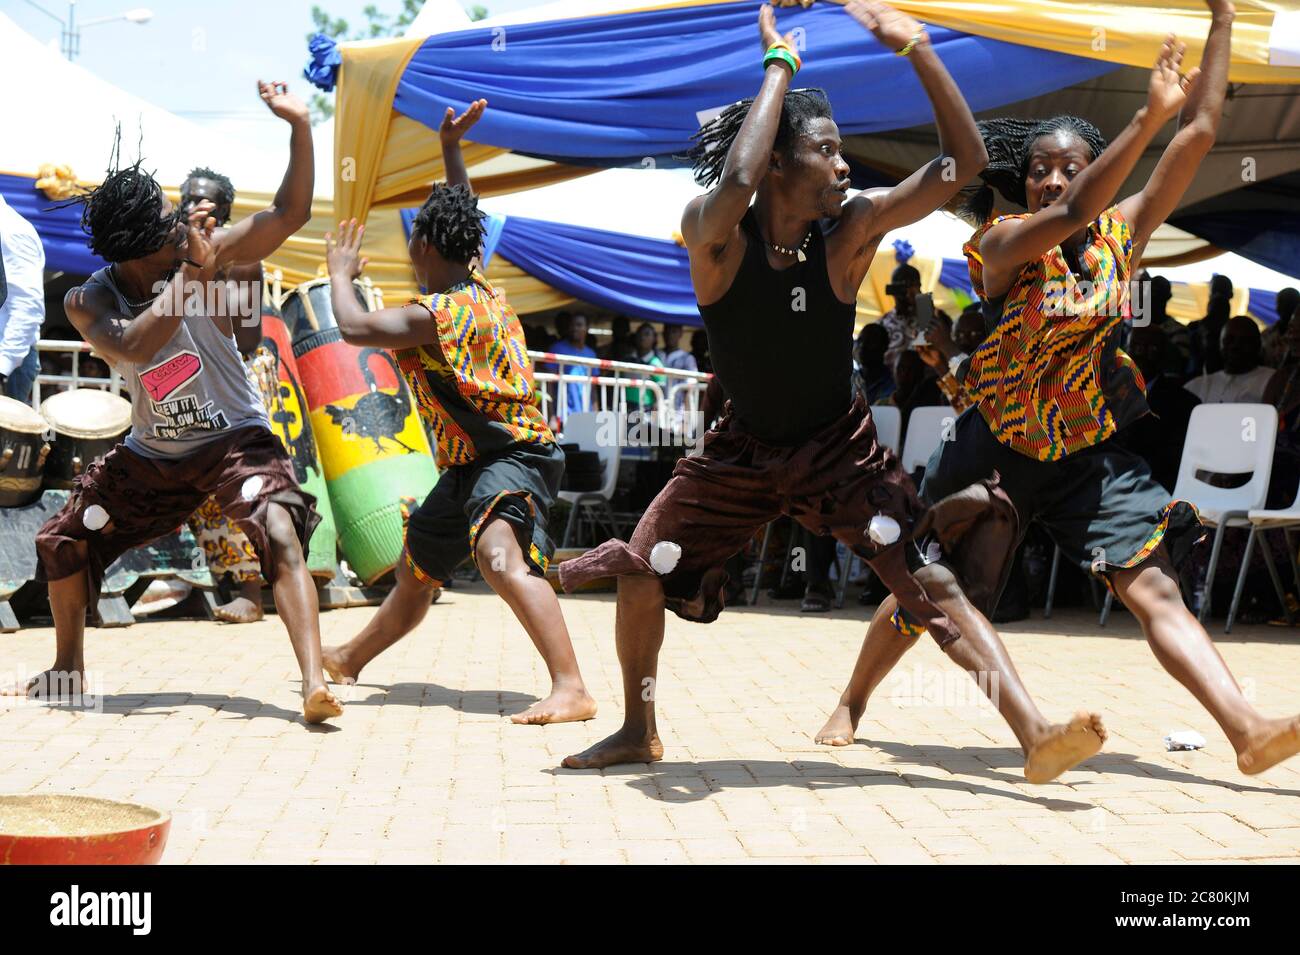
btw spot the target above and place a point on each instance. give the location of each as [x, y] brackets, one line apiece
[911, 44]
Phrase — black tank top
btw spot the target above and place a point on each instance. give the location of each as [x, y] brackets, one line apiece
[787, 371]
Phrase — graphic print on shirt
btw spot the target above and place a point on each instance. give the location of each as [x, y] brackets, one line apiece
[183, 413]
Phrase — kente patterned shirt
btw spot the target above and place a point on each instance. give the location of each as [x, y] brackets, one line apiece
[474, 383]
[1051, 379]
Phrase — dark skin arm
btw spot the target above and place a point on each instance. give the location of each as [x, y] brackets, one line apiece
[247, 281]
[871, 214]
[1007, 246]
[255, 238]
[402, 327]
[119, 337]
[711, 223]
[449, 134]
[1202, 111]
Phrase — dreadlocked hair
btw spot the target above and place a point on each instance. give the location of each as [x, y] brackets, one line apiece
[225, 188]
[1008, 142]
[712, 142]
[123, 216]
[451, 222]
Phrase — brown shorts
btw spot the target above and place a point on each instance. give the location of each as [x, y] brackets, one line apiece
[833, 484]
[145, 498]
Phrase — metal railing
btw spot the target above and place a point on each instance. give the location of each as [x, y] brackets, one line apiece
[46, 346]
[675, 395]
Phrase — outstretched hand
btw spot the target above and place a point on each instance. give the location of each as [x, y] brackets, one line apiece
[893, 28]
[343, 254]
[767, 27]
[281, 102]
[454, 127]
[198, 249]
[1169, 89]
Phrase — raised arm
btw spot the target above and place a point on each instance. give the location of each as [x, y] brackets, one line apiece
[255, 238]
[1006, 247]
[1177, 167]
[450, 132]
[711, 219]
[402, 327]
[961, 148]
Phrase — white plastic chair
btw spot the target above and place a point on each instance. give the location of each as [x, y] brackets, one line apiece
[1225, 439]
[592, 431]
[925, 430]
[889, 425]
[1261, 521]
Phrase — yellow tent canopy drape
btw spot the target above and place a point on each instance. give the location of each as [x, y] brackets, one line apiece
[385, 157]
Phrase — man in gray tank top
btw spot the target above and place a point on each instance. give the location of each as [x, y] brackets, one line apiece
[158, 312]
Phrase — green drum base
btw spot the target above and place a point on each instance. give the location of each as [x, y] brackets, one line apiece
[368, 504]
[322, 551]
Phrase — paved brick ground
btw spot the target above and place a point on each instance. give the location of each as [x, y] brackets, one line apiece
[203, 720]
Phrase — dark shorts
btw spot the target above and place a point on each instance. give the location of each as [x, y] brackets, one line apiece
[833, 484]
[518, 485]
[145, 498]
[1101, 505]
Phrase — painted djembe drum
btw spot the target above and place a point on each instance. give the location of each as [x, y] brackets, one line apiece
[286, 405]
[23, 450]
[374, 451]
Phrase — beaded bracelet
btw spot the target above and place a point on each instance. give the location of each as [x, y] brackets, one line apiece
[911, 44]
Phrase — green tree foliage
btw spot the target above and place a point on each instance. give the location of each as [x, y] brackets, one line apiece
[378, 24]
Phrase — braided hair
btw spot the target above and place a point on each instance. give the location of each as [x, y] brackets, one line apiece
[1009, 142]
[225, 188]
[123, 216]
[451, 222]
[712, 142]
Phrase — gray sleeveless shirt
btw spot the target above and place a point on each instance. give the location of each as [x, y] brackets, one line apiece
[195, 390]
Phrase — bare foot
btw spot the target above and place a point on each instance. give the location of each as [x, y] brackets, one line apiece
[562, 706]
[53, 684]
[839, 729]
[1276, 741]
[1065, 746]
[320, 705]
[239, 610]
[622, 747]
[334, 661]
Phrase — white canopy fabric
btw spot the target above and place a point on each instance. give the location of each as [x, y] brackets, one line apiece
[68, 115]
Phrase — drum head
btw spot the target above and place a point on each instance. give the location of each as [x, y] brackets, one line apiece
[21, 417]
[308, 308]
[87, 413]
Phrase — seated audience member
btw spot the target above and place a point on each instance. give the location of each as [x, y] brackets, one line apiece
[577, 393]
[945, 353]
[620, 341]
[1243, 378]
[1206, 334]
[900, 323]
[646, 354]
[872, 378]
[674, 355]
[1275, 344]
[916, 388]
[1157, 291]
[700, 350]
[1158, 437]
[1283, 393]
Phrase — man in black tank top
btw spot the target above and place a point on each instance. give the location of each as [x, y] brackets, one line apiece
[792, 440]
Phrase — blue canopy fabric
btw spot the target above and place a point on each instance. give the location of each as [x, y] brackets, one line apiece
[66, 248]
[645, 278]
[621, 89]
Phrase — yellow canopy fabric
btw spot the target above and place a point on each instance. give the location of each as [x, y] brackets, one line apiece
[384, 157]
